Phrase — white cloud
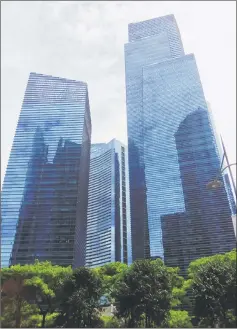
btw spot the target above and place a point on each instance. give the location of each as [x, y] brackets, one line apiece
[84, 41]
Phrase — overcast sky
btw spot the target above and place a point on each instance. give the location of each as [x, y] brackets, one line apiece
[85, 41]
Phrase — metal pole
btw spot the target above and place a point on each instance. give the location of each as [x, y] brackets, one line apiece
[228, 165]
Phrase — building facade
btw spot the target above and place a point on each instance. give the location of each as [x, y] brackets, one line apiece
[108, 216]
[45, 190]
[198, 231]
[169, 165]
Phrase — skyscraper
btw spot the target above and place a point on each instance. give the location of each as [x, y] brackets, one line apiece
[172, 148]
[45, 190]
[207, 216]
[108, 226]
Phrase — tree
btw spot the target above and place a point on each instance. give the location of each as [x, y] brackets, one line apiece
[32, 283]
[8, 319]
[35, 321]
[14, 291]
[46, 285]
[178, 319]
[80, 299]
[144, 293]
[110, 274]
[213, 287]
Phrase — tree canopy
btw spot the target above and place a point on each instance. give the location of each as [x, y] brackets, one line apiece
[213, 288]
[145, 294]
[34, 284]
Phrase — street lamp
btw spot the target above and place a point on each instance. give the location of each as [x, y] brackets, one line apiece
[216, 183]
[44, 308]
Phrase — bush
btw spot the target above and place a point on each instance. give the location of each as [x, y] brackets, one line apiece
[110, 322]
[178, 319]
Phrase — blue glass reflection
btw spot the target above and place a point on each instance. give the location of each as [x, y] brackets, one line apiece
[47, 172]
[163, 88]
[108, 226]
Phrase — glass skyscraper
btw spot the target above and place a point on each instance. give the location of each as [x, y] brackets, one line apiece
[108, 217]
[45, 190]
[172, 150]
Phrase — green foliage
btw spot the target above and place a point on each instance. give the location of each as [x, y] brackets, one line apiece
[35, 321]
[213, 286]
[80, 299]
[144, 293]
[33, 283]
[110, 274]
[178, 319]
[39, 285]
[8, 314]
[110, 322]
[178, 286]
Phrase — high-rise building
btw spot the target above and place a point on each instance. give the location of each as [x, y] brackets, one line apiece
[108, 217]
[45, 190]
[172, 150]
[207, 216]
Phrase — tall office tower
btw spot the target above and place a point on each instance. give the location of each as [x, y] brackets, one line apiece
[172, 151]
[108, 226]
[45, 191]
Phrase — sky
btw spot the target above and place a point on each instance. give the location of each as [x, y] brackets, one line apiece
[85, 40]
